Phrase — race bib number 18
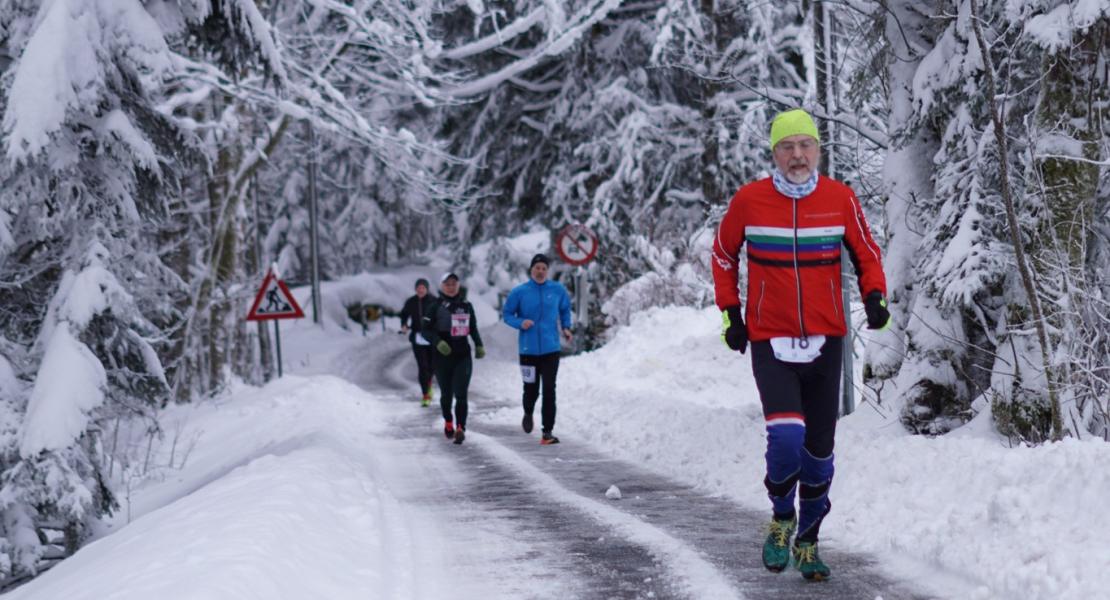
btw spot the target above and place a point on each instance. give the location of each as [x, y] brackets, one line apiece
[798, 350]
[460, 324]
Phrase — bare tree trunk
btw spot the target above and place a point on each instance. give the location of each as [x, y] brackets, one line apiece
[224, 198]
[825, 61]
[222, 218]
[254, 260]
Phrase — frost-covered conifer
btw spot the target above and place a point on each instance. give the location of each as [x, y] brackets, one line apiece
[964, 337]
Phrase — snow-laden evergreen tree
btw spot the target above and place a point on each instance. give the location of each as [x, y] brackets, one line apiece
[87, 164]
[964, 336]
[92, 169]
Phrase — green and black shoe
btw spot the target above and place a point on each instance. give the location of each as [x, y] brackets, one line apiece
[809, 563]
[776, 548]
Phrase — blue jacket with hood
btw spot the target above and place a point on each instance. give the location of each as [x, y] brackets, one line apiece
[545, 304]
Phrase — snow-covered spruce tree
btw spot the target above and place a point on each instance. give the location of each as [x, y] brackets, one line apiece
[964, 337]
[949, 261]
[96, 366]
[87, 160]
[91, 175]
[907, 35]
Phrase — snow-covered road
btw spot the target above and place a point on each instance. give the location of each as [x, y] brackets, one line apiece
[662, 539]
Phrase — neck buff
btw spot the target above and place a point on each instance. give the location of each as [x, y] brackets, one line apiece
[796, 191]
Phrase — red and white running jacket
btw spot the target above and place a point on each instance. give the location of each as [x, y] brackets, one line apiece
[793, 250]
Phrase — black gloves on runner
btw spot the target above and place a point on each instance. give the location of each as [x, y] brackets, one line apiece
[734, 333]
[878, 317]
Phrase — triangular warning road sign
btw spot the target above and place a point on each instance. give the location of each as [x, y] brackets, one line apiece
[274, 301]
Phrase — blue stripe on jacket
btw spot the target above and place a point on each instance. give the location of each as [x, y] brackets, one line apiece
[545, 305]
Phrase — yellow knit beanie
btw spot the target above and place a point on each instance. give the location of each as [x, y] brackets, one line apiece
[792, 122]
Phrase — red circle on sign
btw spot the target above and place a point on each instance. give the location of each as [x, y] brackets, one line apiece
[576, 244]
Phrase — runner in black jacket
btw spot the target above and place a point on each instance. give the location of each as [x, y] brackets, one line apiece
[413, 312]
[448, 321]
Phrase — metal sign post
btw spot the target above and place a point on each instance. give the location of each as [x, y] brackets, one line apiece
[582, 300]
[314, 224]
[847, 390]
[277, 340]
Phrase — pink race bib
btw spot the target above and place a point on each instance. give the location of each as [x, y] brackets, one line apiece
[460, 324]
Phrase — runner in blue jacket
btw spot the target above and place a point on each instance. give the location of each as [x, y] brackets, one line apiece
[537, 307]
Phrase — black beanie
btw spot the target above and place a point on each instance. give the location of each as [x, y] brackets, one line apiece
[539, 258]
[422, 282]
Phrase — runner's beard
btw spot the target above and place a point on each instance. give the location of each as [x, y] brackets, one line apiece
[798, 174]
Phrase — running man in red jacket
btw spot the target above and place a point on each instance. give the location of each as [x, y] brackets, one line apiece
[795, 224]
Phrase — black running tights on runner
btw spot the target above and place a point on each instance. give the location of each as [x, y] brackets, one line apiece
[453, 376]
[800, 404]
[546, 370]
[424, 371]
[811, 389]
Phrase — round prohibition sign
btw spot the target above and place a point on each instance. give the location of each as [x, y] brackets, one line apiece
[576, 244]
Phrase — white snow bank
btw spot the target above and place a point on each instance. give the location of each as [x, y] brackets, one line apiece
[290, 491]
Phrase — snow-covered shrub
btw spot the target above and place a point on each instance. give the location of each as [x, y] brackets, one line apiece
[675, 285]
[652, 289]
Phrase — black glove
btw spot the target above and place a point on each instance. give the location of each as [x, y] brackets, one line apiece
[733, 332]
[878, 317]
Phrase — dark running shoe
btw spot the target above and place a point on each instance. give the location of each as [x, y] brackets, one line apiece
[548, 439]
[527, 423]
[460, 434]
[449, 429]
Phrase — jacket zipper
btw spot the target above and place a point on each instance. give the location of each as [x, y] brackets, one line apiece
[832, 291]
[759, 303]
[797, 271]
[539, 338]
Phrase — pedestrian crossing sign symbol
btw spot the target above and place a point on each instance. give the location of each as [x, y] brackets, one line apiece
[274, 301]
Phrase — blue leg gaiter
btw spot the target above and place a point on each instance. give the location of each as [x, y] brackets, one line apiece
[816, 477]
[784, 443]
